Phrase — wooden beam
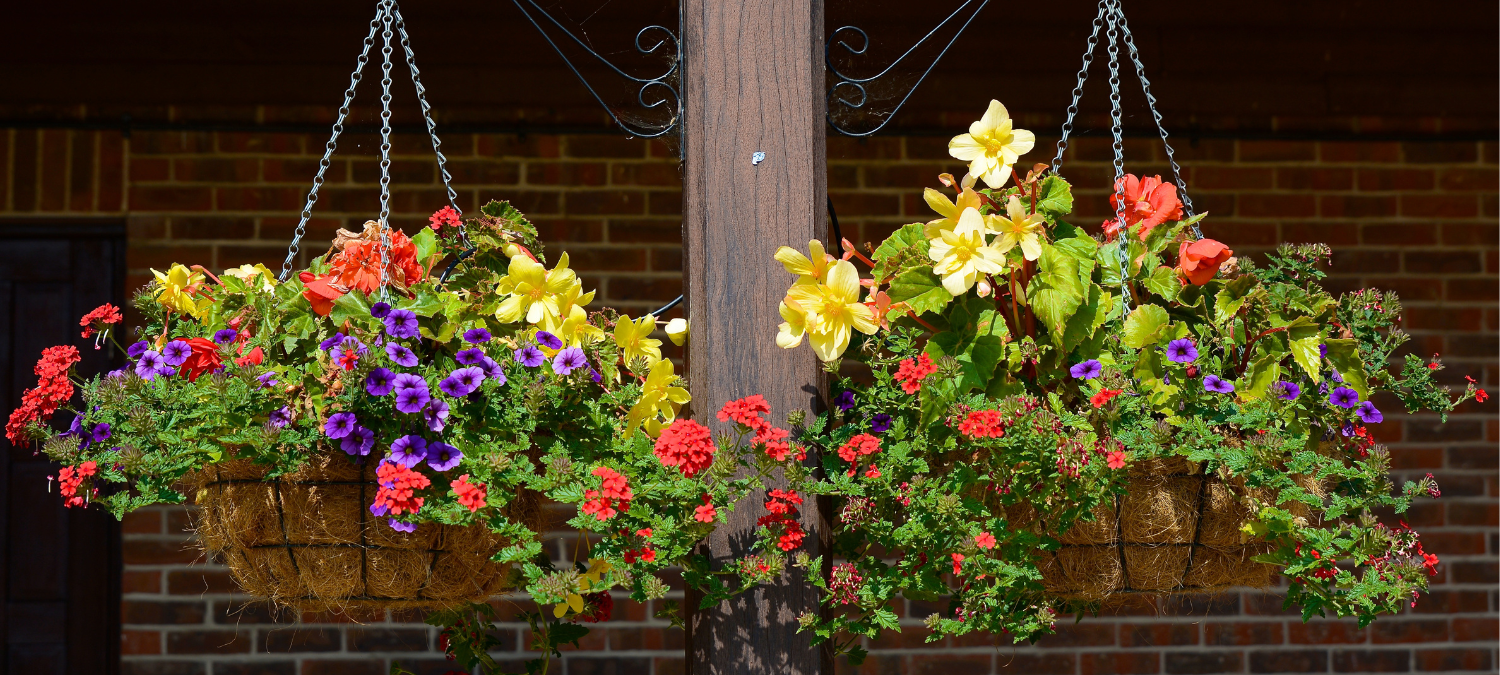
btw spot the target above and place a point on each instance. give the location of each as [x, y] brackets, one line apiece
[752, 82]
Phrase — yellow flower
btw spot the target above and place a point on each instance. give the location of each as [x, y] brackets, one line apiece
[828, 313]
[1020, 229]
[960, 255]
[574, 329]
[659, 397]
[176, 290]
[809, 270]
[992, 146]
[586, 582]
[677, 332]
[534, 292]
[949, 210]
[633, 337]
[248, 273]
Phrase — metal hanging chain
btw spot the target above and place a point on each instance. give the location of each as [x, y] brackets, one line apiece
[1140, 71]
[385, 147]
[1122, 234]
[1083, 74]
[323, 164]
[437, 145]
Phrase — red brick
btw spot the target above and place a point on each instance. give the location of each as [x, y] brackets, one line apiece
[1476, 630]
[134, 642]
[200, 581]
[143, 198]
[215, 170]
[1350, 206]
[1289, 661]
[1456, 659]
[1382, 180]
[54, 170]
[1469, 180]
[1193, 663]
[365, 666]
[1359, 151]
[402, 172]
[139, 612]
[159, 552]
[279, 144]
[1242, 633]
[1440, 153]
[1273, 205]
[1325, 632]
[208, 642]
[1439, 206]
[1299, 178]
[1440, 262]
[132, 581]
[1404, 234]
[512, 145]
[843, 148]
[81, 172]
[605, 146]
[1042, 663]
[1395, 631]
[24, 188]
[1119, 663]
[1277, 151]
[1362, 661]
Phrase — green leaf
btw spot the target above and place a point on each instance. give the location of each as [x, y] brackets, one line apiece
[1304, 336]
[352, 305]
[425, 304]
[1054, 198]
[921, 290]
[1055, 292]
[899, 251]
[1081, 325]
[1143, 325]
[1149, 366]
[1263, 372]
[1344, 355]
[1163, 282]
[426, 242]
[1229, 300]
[1161, 235]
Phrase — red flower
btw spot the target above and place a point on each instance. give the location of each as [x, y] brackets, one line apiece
[254, 358]
[615, 485]
[319, 292]
[100, 319]
[358, 265]
[601, 607]
[984, 540]
[52, 390]
[1116, 459]
[398, 486]
[983, 424]
[860, 445]
[958, 559]
[205, 358]
[1148, 201]
[746, 411]
[598, 506]
[687, 445]
[1200, 260]
[444, 216]
[1481, 395]
[614, 488]
[69, 480]
[782, 513]
[705, 513]
[1098, 400]
[911, 373]
[470, 495]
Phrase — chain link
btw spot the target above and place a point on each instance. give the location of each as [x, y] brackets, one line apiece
[1122, 233]
[1140, 71]
[385, 148]
[442, 161]
[323, 164]
[1083, 74]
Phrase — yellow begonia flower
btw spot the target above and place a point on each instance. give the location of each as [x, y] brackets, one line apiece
[677, 332]
[829, 312]
[793, 328]
[1020, 229]
[248, 273]
[176, 288]
[960, 256]
[811, 269]
[534, 291]
[586, 582]
[658, 397]
[992, 146]
[574, 329]
[633, 338]
[949, 210]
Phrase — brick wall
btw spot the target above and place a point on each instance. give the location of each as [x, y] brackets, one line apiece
[1416, 217]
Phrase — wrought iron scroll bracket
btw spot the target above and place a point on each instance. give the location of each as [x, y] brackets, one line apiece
[845, 84]
[658, 89]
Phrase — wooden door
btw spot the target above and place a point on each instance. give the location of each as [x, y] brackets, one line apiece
[60, 568]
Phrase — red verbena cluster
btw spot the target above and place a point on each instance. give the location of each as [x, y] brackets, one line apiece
[1102, 397]
[70, 479]
[445, 216]
[983, 424]
[859, 446]
[613, 496]
[470, 495]
[687, 445]
[645, 552]
[747, 412]
[782, 513]
[601, 606]
[844, 584]
[706, 513]
[398, 486]
[100, 319]
[911, 373]
[52, 390]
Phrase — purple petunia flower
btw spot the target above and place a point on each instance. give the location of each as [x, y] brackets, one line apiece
[470, 357]
[380, 310]
[405, 381]
[462, 382]
[267, 379]
[330, 343]
[1323, 350]
[280, 418]
[530, 357]
[1344, 397]
[1335, 376]
[548, 340]
[380, 508]
[1181, 350]
[101, 430]
[1087, 370]
[845, 400]
[880, 423]
[135, 350]
[1219, 386]
[1286, 391]
[403, 527]
[149, 365]
[379, 382]
[176, 352]
[568, 360]
[408, 451]
[436, 415]
[492, 370]
[400, 355]
[442, 457]
[476, 335]
[359, 442]
[118, 372]
[1367, 413]
[412, 400]
[340, 424]
[226, 336]
[593, 375]
[401, 323]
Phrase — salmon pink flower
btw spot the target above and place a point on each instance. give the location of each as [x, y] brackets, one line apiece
[1199, 261]
[1148, 201]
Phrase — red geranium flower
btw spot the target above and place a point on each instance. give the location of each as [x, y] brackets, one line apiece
[911, 373]
[687, 445]
[319, 292]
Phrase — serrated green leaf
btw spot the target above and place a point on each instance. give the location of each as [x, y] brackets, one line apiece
[425, 304]
[1229, 300]
[921, 290]
[426, 243]
[1081, 325]
[352, 305]
[1143, 325]
[1344, 355]
[1055, 292]
[904, 248]
[1263, 373]
[1303, 336]
[1054, 197]
[1164, 283]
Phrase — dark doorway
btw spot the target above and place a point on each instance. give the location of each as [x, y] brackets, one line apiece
[60, 568]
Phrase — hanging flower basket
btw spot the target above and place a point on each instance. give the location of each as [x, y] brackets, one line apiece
[308, 540]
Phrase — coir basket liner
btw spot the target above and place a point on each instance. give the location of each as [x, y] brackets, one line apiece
[308, 540]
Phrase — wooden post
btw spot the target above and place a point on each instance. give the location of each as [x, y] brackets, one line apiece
[752, 82]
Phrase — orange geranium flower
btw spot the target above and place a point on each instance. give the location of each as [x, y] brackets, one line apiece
[1199, 261]
[319, 291]
[1148, 201]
